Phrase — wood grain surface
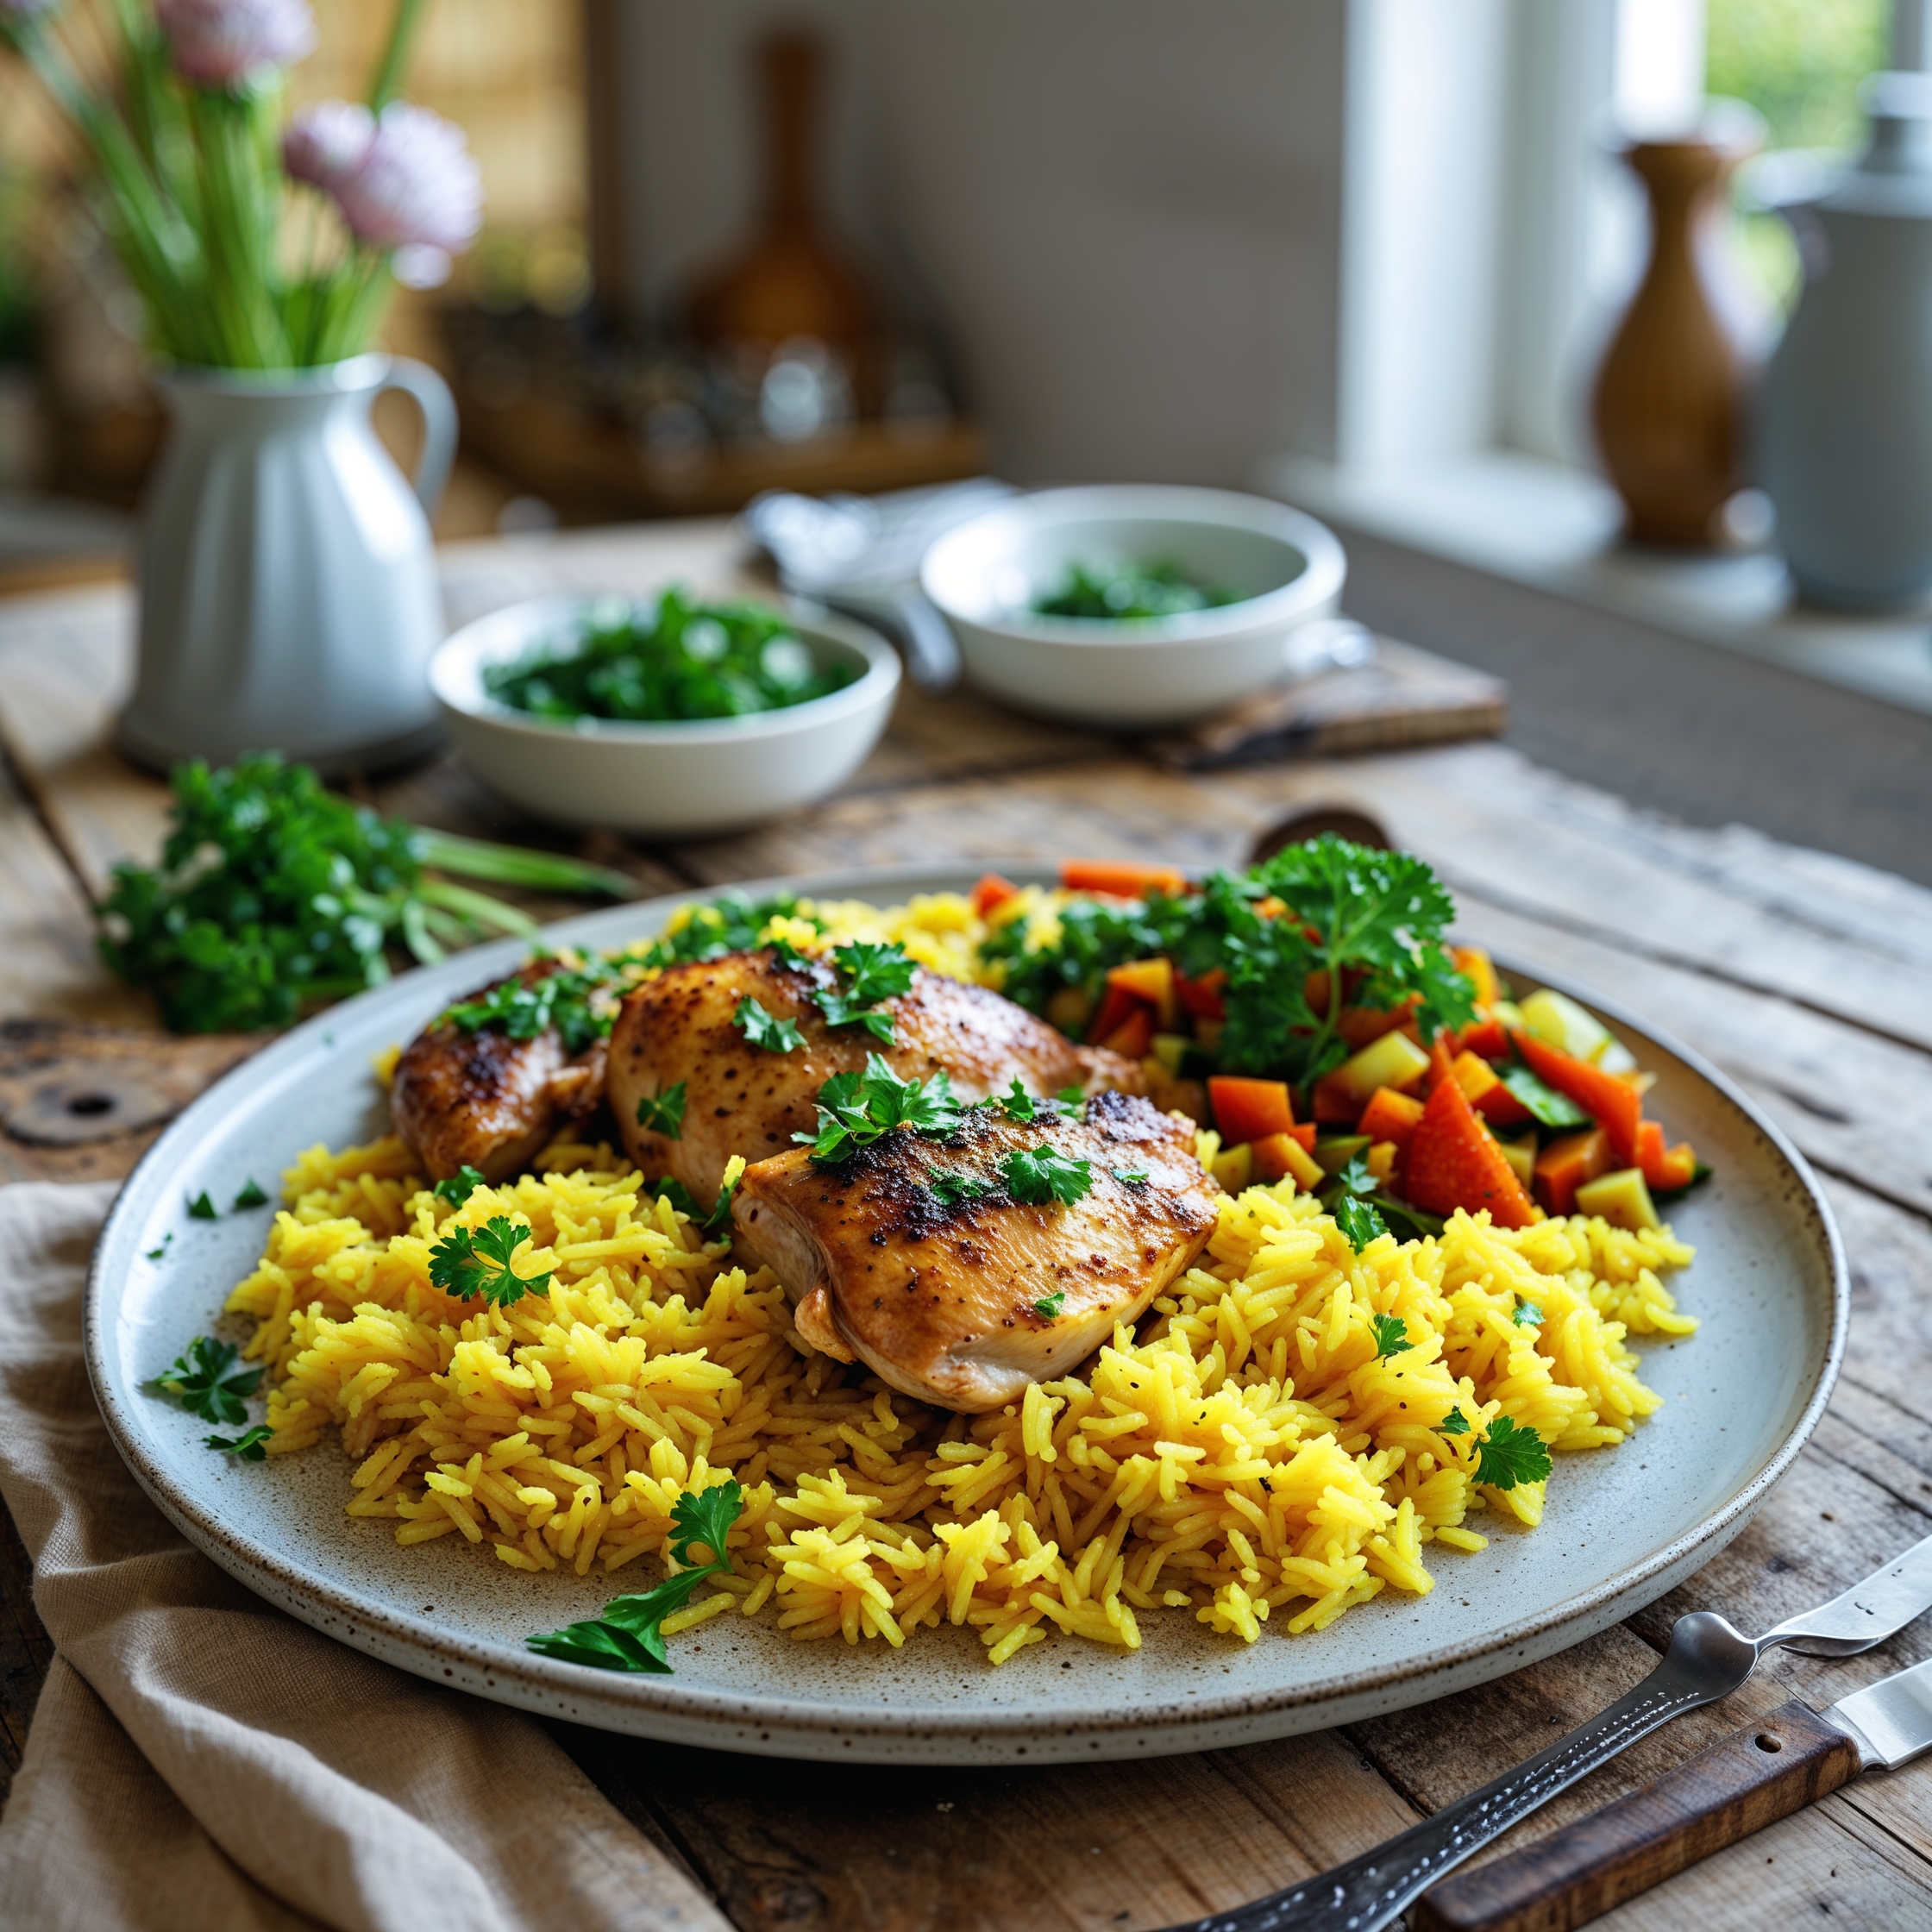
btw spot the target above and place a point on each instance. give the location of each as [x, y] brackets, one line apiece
[1806, 977]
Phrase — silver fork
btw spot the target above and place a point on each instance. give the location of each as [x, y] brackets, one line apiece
[1707, 1661]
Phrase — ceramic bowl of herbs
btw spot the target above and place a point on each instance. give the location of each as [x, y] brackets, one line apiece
[1140, 606]
[669, 716]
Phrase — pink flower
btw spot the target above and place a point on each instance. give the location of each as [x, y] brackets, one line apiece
[222, 43]
[17, 12]
[325, 142]
[417, 183]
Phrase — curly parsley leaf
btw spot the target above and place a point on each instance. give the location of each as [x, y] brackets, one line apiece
[663, 1113]
[250, 1196]
[955, 1190]
[856, 1108]
[472, 1261]
[1454, 1423]
[204, 1379]
[628, 1636]
[1359, 1220]
[766, 1029]
[249, 1446]
[1551, 1108]
[1038, 1176]
[1510, 1454]
[201, 1208]
[457, 1187]
[1527, 1315]
[1049, 1307]
[1355, 1177]
[1391, 1335]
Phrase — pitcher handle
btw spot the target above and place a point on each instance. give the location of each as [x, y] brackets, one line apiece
[432, 396]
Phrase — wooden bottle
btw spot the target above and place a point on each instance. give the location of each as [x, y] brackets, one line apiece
[1668, 406]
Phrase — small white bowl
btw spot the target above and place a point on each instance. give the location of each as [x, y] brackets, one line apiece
[1156, 671]
[686, 780]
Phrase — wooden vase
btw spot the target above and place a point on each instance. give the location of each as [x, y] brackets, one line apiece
[1668, 406]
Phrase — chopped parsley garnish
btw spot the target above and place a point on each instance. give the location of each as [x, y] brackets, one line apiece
[730, 923]
[869, 972]
[250, 1196]
[1359, 1220]
[1527, 1315]
[1130, 1176]
[1017, 1104]
[1074, 1095]
[472, 1261]
[763, 1029]
[679, 1197]
[1551, 1108]
[574, 1000]
[1391, 1335]
[1454, 1423]
[1049, 1307]
[248, 1446]
[206, 1381]
[1510, 1454]
[1038, 1176]
[955, 1190]
[155, 1254]
[457, 1187]
[1355, 1176]
[663, 1113]
[628, 1636]
[201, 1208]
[856, 1108]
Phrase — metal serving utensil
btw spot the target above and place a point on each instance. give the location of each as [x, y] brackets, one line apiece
[1707, 1661]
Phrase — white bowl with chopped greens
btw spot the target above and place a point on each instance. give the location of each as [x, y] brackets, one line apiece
[1142, 606]
[814, 694]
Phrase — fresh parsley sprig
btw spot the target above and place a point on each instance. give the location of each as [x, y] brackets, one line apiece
[629, 1636]
[1527, 1315]
[869, 973]
[472, 1261]
[1036, 1176]
[1017, 1104]
[953, 1190]
[855, 1109]
[1506, 1453]
[1050, 1308]
[250, 1445]
[577, 1000]
[1391, 1335]
[457, 1187]
[766, 1029]
[204, 1379]
[663, 1113]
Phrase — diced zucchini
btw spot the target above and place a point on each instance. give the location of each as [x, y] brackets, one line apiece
[1521, 1157]
[1235, 1167]
[1622, 1198]
[1333, 1156]
[1395, 1060]
[1563, 1023]
[1171, 1049]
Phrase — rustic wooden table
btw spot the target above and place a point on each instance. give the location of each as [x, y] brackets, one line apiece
[1808, 979]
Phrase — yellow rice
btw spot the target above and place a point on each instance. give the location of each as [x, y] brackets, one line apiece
[1243, 1453]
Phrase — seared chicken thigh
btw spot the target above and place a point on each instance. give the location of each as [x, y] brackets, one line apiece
[679, 1030]
[486, 1100]
[962, 1302]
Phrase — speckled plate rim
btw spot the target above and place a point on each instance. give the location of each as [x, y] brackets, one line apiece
[678, 1711]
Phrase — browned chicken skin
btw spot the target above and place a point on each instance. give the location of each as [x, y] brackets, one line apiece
[486, 1100]
[944, 1302]
[741, 1099]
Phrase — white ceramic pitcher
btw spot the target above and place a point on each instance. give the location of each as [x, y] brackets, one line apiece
[288, 589]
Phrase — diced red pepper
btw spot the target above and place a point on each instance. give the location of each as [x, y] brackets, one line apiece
[1363, 1026]
[1389, 1116]
[1500, 1107]
[1134, 1036]
[1119, 879]
[1151, 980]
[1565, 1164]
[1665, 1169]
[1332, 1104]
[1248, 1110]
[992, 891]
[1202, 997]
[1487, 1039]
[1455, 1163]
[1117, 1006]
[1615, 1104]
[1441, 1062]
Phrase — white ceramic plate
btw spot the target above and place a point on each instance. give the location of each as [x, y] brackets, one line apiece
[1624, 1526]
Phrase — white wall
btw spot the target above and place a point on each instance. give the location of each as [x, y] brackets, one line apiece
[1127, 212]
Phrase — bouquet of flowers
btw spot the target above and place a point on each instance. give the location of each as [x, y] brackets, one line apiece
[195, 170]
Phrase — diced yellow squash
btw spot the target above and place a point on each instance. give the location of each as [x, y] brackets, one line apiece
[1170, 1049]
[1507, 1012]
[1521, 1157]
[1620, 1198]
[1235, 1167]
[1395, 1060]
[1309, 1172]
[1563, 1023]
[1381, 1161]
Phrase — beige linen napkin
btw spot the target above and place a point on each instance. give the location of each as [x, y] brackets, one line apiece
[200, 1761]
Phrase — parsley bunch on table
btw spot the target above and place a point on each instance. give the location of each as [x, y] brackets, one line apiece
[855, 1109]
[273, 894]
[628, 1636]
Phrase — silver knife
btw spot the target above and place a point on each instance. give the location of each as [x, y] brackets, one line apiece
[1788, 1758]
[1707, 1659]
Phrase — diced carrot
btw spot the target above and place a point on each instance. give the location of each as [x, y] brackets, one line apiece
[1486, 1038]
[992, 891]
[1118, 879]
[1500, 1107]
[1334, 1102]
[1615, 1104]
[1282, 1156]
[1565, 1165]
[1479, 969]
[1202, 997]
[1359, 1026]
[1151, 980]
[1389, 1116]
[1134, 1035]
[1248, 1110]
[1665, 1169]
[1302, 1134]
[1453, 1162]
[1117, 1004]
[1440, 1063]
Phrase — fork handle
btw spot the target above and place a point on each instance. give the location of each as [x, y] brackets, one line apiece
[1737, 1785]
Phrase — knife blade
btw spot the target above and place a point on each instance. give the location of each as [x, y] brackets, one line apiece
[1735, 1787]
[1707, 1661]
